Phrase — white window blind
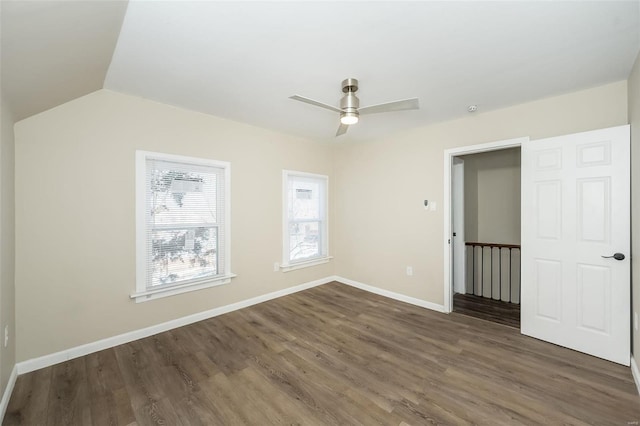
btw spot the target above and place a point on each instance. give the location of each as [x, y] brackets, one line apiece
[185, 229]
[305, 235]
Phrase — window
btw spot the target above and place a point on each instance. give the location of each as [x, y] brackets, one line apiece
[182, 221]
[305, 220]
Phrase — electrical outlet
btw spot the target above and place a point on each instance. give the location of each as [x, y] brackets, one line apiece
[6, 335]
[409, 270]
[276, 267]
[635, 321]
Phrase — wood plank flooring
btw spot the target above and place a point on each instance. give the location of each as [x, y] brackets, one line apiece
[330, 355]
[487, 309]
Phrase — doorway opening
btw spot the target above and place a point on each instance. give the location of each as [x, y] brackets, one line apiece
[486, 254]
[479, 274]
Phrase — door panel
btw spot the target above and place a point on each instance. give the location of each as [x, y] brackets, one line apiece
[594, 288]
[548, 209]
[575, 209]
[594, 222]
[548, 283]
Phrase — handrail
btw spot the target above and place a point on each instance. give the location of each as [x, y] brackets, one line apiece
[510, 246]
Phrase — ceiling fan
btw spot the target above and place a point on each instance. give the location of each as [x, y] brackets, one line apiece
[350, 105]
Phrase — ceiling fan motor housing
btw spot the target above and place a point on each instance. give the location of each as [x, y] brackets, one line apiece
[350, 85]
[350, 102]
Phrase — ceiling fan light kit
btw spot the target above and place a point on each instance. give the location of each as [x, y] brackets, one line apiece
[349, 117]
[350, 105]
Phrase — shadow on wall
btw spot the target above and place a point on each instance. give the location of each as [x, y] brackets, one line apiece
[492, 196]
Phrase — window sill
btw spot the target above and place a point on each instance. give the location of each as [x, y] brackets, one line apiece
[305, 264]
[161, 292]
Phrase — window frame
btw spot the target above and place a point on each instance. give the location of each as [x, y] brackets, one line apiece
[142, 292]
[324, 257]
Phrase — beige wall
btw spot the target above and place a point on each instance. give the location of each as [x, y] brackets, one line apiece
[380, 223]
[75, 247]
[492, 196]
[634, 120]
[7, 289]
[75, 226]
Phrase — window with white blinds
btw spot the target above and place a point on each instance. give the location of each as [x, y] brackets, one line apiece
[183, 226]
[305, 219]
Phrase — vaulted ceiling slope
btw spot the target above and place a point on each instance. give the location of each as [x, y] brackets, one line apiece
[242, 60]
[55, 51]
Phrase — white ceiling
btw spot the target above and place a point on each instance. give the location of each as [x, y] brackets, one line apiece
[242, 60]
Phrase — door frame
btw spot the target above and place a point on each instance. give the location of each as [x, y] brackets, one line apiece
[457, 205]
[447, 213]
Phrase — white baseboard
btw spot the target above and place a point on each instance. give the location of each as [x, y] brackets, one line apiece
[8, 390]
[78, 351]
[391, 294]
[636, 373]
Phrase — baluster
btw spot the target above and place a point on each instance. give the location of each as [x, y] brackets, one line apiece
[510, 273]
[478, 279]
[500, 274]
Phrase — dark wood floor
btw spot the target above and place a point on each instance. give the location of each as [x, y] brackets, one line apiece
[487, 309]
[331, 355]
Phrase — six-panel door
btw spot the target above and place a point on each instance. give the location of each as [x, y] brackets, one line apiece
[575, 210]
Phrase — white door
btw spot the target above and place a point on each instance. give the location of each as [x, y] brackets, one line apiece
[575, 211]
[457, 205]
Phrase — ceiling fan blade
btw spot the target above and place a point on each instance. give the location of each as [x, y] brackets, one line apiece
[402, 105]
[316, 103]
[342, 129]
